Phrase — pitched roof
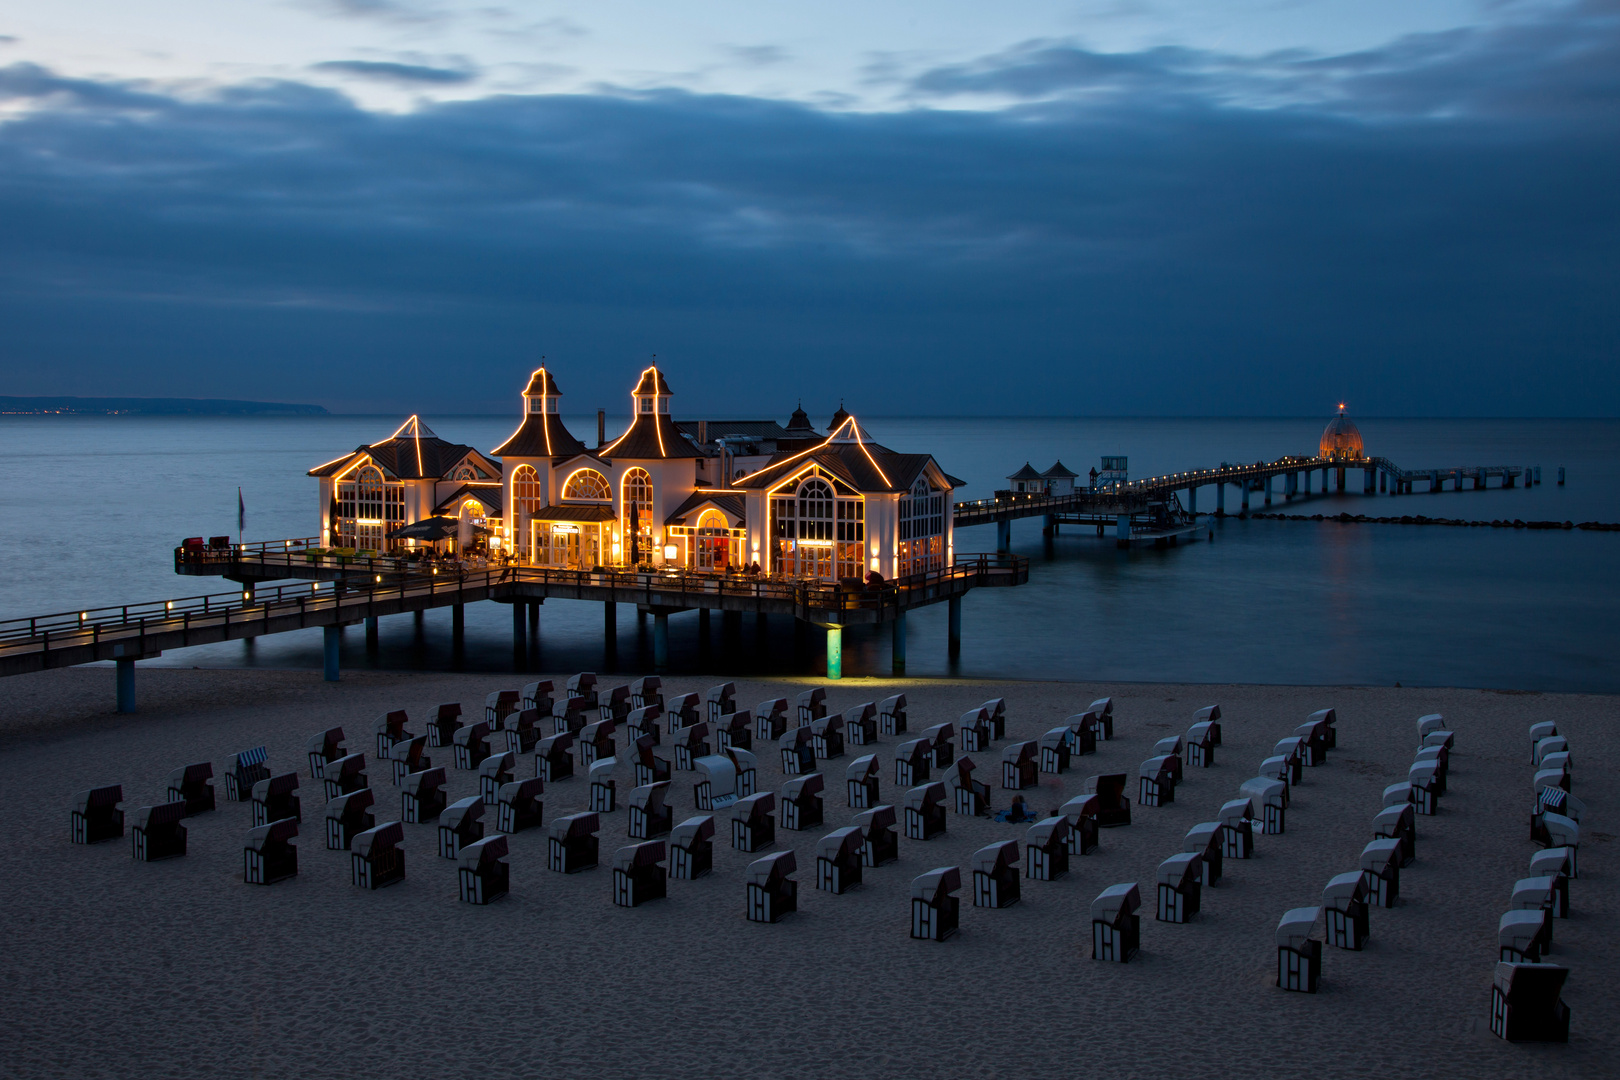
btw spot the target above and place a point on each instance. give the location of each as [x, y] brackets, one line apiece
[652, 382]
[652, 436]
[749, 429]
[493, 496]
[731, 504]
[1026, 473]
[411, 453]
[799, 423]
[541, 434]
[575, 512]
[864, 466]
[1058, 472]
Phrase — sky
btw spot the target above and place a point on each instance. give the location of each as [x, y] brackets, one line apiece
[1096, 207]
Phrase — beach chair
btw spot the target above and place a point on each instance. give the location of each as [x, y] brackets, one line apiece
[941, 738]
[539, 696]
[974, 728]
[191, 786]
[1538, 893]
[343, 775]
[523, 729]
[771, 890]
[638, 874]
[1326, 717]
[649, 767]
[996, 710]
[614, 705]
[925, 811]
[158, 833]
[1019, 762]
[442, 728]
[1544, 730]
[408, 756]
[596, 742]
[243, 771]
[1397, 795]
[801, 802]
[1552, 744]
[1113, 807]
[838, 860]
[723, 779]
[604, 790]
[1082, 728]
[1299, 955]
[861, 782]
[1552, 778]
[375, 858]
[1277, 768]
[269, 855]
[1055, 751]
[1525, 1003]
[1204, 840]
[422, 797]
[935, 911]
[1211, 715]
[690, 743]
[1381, 868]
[912, 761]
[1237, 828]
[1103, 710]
[681, 711]
[881, 842]
[1427, 725]
[1292, 750]
[691, 848]
[554, 757]
[494, 771]
[643, 723]
[1440, 758]
[971, 797]
[1313, 736]
[650, 814]
[721, 700]
[274, 798]
[520, 806]
[752, 826]
[892, 715]
[995, 875]
[324, 747]
[1200, 745]
[1046, 849]
[482, 872]
[572, 843]
[798, 756]
[860, 724]
[1081, 814]
[1426, 787]
[460, 824]
[570, 716]
[1157, 784]
[1270, 798]
[471, 745]
[1171, 747]
[388, 729]
[770, 719]
[582, 687]
[1181, 882]
[812, 705]
[1116, 928]
[1555, 822]
[827, 737]
[647, 691]
[1344, 903]
[347, 816]
[1522, 936]
[736, 730]
[498, 705]
[1400, 823]
[1554, 863]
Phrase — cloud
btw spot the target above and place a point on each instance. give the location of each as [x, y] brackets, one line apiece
[7, 39]
[407, 12]
[388, 71]
[1416, 227]
[757, 55]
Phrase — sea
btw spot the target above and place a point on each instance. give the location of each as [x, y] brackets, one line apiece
[93, 507]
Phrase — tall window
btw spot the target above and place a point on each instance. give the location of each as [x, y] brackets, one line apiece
[922, 530]
[638, 496]
[817, 533]
[587, 484]
[525, 499]
[369, 507]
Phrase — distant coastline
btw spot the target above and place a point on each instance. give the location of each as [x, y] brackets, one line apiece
[117, 406]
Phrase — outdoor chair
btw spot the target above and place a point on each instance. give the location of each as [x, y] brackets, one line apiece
[722, 779]
[343, 775]
[892, 715]
[274, 799]
[1116, 928]
[1019, 762]
[1046, 849]
[735, 730]
[269, 855]
[324, 747]
[1326, 717]
[1157, 782]
[1398, 822]
[523, 729]
[691, 848]
[1055, 751]
[752, 826]
[1381, 869]
[408, 757]
[647, 691]
[604, 790]
[935, 911]
[570, 716]
[1113, 807]
[1211, 715]
[347, 816]
[572, 843]
[614, 705]
[1237, 828]
[1544, 730]
[389, 728]
[838, 860]
[995, 875]
[1200, 745]
[1171, 747]
[1081, 814]
[244, 770]
[812, 705]
[596, 742]
[582, 687]
[681, 711]
[798, 756]
[649, 767]
[996, 710]
[519, 805]
[638, 874]
[1525, 1006]
[191, 786]
[538, 696]
[643, 723]
[1204, 840]
[650, 814]
[974, 727]
[1082, 728]
[1522, 936]
[1181, 882]
[972, 797]
[925, 811]
[721, 699]
[554, 757]
[881, 843]
[1103, 710]
[1427, 725]
[1426, 787]
[158, 832]
[1299, 955]
[471, 745]
[861, 782]
[493, 771]
[770, 719]
[1344, 903]
[912, 761]
[442, 728]
[1314, 742]
[1554, 863]
[498, 704]
[690, 743]
[460, 824]
[941, 738]
[801, 802]
[1271, 798]
[375, 858]
[482, 873]
[422, 797]
[827, 737]
[771, 890]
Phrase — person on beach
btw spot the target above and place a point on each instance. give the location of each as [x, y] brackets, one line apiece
[1018, 811]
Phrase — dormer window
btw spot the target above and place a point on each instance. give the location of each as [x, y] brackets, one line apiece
[646, 405]
[543, 405]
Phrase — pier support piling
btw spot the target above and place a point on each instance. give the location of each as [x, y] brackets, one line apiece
[1122, 531]
[899, 651]
[458, 625]
[371, 634]
[954, 633]
[332, 637]
[1220, 499]
[1268, 489]
[1192, 498]
[534, 620]
[1003, 537]
[660, 641]
[835, 651]
[125, 681]
[1245, 487]
[519, 628]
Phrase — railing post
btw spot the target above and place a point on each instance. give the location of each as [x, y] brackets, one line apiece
[954, 641]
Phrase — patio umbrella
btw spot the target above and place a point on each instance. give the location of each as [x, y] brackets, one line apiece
[430, 529]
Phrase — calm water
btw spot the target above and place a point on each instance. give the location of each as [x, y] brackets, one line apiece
[93, 507]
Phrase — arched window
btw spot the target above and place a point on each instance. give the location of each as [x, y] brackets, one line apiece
[369, 493]
[713, 519]
[638, 496]
[587, 484]
[525, 491]
[922, 529]
[815, 509]
[466, 472]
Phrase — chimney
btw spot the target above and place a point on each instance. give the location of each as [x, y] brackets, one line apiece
[703, 432]
[601, 428]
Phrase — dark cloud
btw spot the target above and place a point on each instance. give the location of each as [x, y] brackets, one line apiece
[7, 39]
[1436, 235]
[386, 71]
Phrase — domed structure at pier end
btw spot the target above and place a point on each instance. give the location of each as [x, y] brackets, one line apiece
[1341, 439]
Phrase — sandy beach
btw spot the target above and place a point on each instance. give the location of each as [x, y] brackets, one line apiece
[114, 968]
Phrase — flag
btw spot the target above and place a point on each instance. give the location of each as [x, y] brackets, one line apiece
[241, 515]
